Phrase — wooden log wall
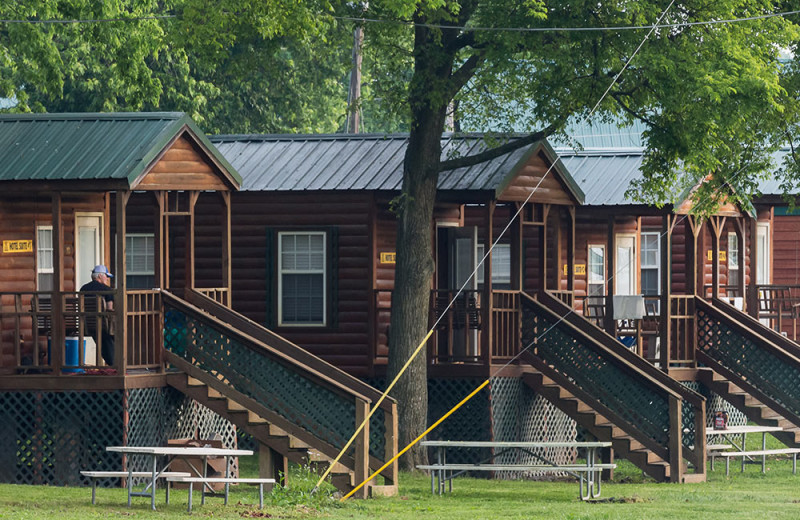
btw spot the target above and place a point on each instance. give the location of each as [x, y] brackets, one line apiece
[19, 217]
[786, 250]
[347, 344]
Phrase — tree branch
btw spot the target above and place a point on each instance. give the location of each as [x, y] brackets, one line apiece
[493, 153]
[463, 74]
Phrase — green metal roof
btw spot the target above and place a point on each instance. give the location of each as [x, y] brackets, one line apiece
[109, 149]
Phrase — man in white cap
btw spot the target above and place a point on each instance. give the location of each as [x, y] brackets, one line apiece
[101, 279]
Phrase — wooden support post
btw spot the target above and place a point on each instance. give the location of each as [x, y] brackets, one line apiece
[159, 245]
[740, 242]
[190, 257]
[666, 291]
[361, 446]
[226, 247]
[675, 440]
[391, 448]
[609, 323]
[701, 457]
[717, 224]
[57, 302]
[571, 252]
[517, 275]
[543, 248]
[752, 288]
[486, 310]
[557, 253]
[272, 464]
[120, 294]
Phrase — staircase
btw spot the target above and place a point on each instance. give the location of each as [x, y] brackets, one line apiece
[650, 419]
[751, 366]
[298, 407]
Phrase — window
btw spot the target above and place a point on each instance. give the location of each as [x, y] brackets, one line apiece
[596, 270]
[762, 253]
[301, 278]
[501, 266]
[44, 258]
[625, 265]
[140, 261]
[651, 264]
[733, 259]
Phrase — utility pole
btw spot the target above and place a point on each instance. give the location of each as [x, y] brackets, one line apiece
[354, 94]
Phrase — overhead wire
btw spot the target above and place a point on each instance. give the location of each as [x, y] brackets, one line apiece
[461, 289]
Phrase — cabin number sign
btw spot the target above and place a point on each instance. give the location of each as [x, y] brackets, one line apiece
[388, 258]
[17, 246]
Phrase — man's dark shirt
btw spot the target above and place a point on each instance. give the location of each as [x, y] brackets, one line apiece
[94, 285]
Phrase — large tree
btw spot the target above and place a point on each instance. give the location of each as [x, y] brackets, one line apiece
[710, 96]
[235, 66]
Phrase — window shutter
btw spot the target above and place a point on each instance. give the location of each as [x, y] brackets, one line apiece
[333, 276]
[269, 279]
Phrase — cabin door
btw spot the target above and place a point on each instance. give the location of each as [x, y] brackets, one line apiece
[88, 253]
[625, 265]
[457, 261]
[88, 246]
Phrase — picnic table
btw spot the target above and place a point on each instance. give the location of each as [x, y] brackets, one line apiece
[737, 436]
[172, 453]
[588, 473]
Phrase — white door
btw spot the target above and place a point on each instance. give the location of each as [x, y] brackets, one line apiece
[762, 253]
[88, 253]
[88, 246]
[625, 265]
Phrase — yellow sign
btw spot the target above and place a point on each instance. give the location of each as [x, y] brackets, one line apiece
[17, 246]
[723, 256]
[580, 269]
[388, 258]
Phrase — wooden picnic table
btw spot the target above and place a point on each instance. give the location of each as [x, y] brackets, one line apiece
[590, 472]
[172, 453]
[734, 433]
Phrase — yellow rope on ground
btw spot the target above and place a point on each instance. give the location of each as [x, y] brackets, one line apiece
[412, 443]
[372, 410]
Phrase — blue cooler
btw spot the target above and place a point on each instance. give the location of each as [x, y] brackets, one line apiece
[71, 354]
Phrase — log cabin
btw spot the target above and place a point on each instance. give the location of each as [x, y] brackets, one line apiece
[123, 190]
[313, 236]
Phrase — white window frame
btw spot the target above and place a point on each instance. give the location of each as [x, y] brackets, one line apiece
[128, 270]
[589, 271]
[323, 272]
[497, 279]
[763, 269]
[657, 265]
[733, 247]
[40, 251]
[625, 273]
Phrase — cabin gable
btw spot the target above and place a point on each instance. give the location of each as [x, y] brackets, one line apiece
[183, 163]
[536, 173]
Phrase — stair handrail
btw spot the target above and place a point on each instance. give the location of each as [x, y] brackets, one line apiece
[255, 344]
[601, 343]
[618, 349]
[753, 329]
[755, 326]
[284, 347]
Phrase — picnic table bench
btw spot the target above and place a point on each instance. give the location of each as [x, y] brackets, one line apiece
[737, 436]
[221, 480]
[588, 473]
[93, 476]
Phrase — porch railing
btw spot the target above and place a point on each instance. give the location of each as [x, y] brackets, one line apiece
[31, 329]
[221, 295]
[459, 336]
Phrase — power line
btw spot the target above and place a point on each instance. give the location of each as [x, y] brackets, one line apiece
[92, 20]
[568, 29]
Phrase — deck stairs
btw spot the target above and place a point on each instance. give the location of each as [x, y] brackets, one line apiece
[650, 419]
[300, 407]
[751, 366]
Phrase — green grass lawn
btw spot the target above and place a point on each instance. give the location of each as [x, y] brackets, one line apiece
[749, 495]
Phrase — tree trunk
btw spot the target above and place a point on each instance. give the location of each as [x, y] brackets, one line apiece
[430, 92]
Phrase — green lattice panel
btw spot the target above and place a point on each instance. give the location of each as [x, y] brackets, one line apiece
[471, 422]
[634, 400]
[281, 388]
[758, 366]
[49, 437]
